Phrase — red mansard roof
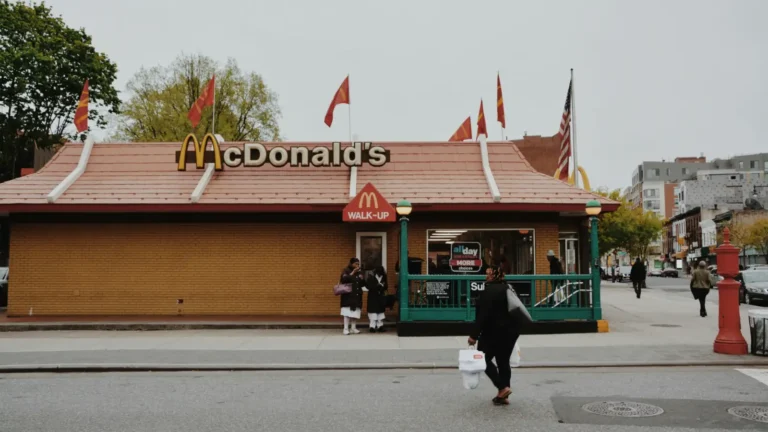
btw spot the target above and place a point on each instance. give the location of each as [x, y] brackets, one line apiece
[142, 177]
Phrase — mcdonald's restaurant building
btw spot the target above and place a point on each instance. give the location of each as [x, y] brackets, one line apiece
[264, 229]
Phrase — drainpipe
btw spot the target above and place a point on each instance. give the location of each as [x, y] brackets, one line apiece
[487, 170]
[210, 169]
[65, 184]
[353, 173]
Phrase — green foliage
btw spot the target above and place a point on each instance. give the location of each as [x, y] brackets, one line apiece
[630, 229]
[160, 99]
[43, 66]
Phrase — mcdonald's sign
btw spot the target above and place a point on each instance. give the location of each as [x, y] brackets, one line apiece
[369, 206]
[257, 154]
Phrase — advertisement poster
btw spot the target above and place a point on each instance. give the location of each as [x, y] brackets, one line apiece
[466, 257]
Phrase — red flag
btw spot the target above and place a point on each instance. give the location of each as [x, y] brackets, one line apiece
[464, 132]
[206, 98]
[500, 103]
[81, 113]
[341, 97]
[481, 122]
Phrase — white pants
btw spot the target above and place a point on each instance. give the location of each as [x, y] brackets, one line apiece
[376, 320]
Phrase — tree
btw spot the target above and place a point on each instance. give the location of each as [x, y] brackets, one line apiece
[630, 229]
[747, 231]
[43, 66]
[160, 99]
[757, 235]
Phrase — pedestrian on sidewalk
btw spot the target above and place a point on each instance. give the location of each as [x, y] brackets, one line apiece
[637, 276]
[377, 298]
[701, 283]
[352, 302]
[497, 333]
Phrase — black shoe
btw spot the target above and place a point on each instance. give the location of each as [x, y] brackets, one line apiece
[372, 330]
[381, 330]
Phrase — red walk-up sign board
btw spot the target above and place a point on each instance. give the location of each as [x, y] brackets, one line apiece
[369, 206]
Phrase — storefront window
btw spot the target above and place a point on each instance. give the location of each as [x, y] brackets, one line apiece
[471, 251]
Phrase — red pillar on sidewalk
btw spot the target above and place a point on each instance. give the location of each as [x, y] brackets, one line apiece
[729, 340]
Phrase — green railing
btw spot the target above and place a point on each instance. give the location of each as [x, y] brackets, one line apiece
[452, 298]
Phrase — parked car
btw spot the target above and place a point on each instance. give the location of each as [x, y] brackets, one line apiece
[670, 272]
[3, 286]
[656, 273]
[754, 286]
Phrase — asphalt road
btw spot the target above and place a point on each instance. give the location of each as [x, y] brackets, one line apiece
[403, 401]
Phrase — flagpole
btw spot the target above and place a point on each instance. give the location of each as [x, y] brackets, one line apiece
[213, 123]
[573, 132]
[350, 112]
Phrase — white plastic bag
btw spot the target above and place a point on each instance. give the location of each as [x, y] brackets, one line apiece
[471, 365]
[514, 361]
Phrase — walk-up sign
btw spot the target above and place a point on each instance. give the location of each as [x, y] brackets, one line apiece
[369, 206]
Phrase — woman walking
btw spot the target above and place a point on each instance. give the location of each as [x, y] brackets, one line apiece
[377, 298]
[352, 302]
[497, 333]
[701, 283]
[637, 276]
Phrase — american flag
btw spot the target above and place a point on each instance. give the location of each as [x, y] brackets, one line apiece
[565, 137]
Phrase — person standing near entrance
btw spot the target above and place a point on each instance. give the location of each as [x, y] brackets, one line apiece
[352, 302]
[637, 276]
[701, 283]
[497, 333]
[377, 298]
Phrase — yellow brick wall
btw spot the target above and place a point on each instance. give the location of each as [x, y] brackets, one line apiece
[217, 269]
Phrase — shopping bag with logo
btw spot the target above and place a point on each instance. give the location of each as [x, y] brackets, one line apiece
[514, 361]
[517, 309]
[471, 365]
[340, 289]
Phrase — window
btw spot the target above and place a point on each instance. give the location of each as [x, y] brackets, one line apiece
[651, 193]
[765, 165]
[741, 165]
[669, 172]
[470, 251]
[654, 172]
[753, 164]
[652, 205]
[686, 171]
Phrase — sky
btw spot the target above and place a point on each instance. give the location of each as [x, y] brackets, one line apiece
[654, 79]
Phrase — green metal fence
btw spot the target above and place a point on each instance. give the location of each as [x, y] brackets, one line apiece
[452, 298]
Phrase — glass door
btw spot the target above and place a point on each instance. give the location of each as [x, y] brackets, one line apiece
[372, 251]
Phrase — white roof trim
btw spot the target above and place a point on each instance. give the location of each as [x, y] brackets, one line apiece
[494, 188]
[65, 184]
[206, 178]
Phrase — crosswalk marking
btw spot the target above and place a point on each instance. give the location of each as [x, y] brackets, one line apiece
[758, 374]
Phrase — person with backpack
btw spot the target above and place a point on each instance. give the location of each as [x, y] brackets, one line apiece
[497, 332]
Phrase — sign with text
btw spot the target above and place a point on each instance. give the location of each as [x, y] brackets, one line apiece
[257, 154]
[369, 206]
[465, 257]
[440, 290]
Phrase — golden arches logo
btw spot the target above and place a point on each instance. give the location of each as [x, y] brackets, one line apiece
[572, 179]
[200, 149]
[368, 197]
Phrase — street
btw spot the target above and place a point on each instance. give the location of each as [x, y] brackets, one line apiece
[400, 400]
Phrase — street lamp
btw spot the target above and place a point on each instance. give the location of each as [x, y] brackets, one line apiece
[593, 209]
[404, 209]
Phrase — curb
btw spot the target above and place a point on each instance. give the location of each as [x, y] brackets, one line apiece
[149, 367]
[25, 327]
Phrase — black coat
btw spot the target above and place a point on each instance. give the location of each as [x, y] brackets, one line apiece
[353, 300]
[555, 267]
[637, 273]
[493, 320]
[377, 294]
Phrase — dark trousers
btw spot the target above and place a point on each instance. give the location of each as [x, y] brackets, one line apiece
[638, 286]
[700, 294]
[499, 348]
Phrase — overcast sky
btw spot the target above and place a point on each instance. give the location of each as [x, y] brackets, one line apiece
[655, 79]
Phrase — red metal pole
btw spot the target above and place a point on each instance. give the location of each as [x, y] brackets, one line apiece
[729, 340]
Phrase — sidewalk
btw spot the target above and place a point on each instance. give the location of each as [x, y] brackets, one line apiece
[661, 329]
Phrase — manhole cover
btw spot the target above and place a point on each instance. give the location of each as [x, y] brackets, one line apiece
[665, 325]
[622, 409]
[754, 413]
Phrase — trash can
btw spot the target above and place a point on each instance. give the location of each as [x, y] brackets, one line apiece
[758, 331]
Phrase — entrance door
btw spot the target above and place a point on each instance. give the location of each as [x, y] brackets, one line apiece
[372, 251]
[569, 254]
